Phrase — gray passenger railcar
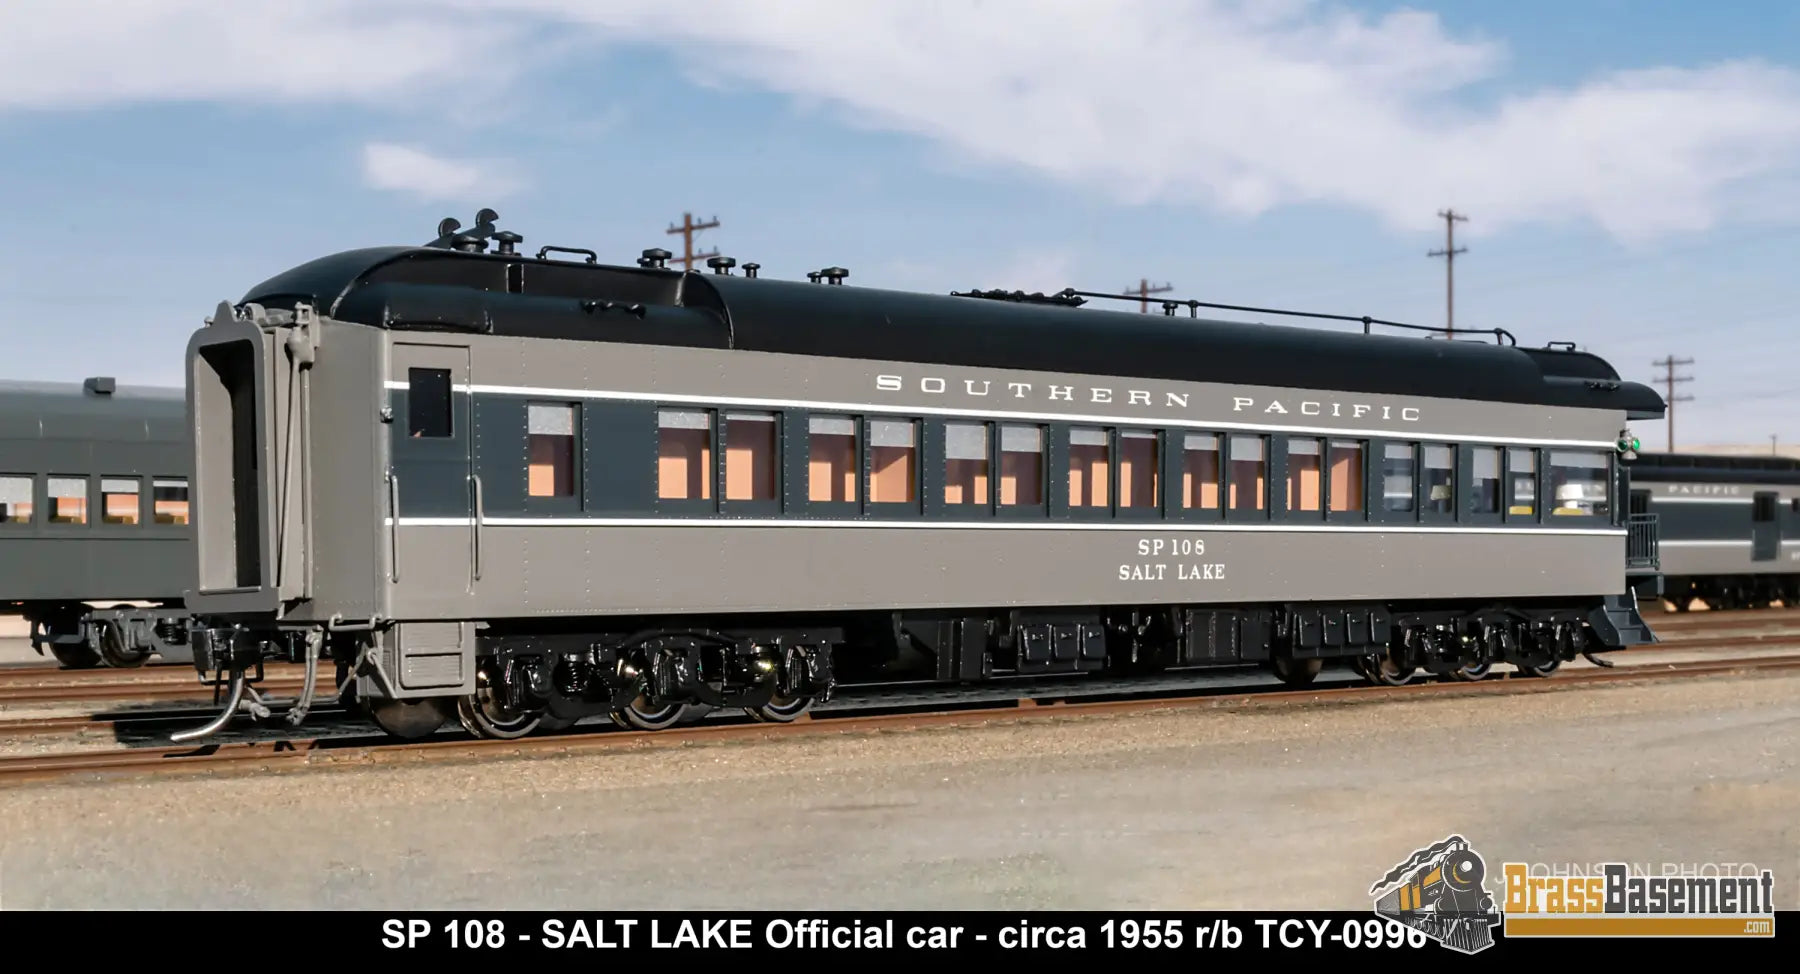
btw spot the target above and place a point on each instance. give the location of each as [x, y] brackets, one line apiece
[94, 509]
[526, 490]
[1729, 527]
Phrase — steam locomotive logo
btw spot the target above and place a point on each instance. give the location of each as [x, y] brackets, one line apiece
[1438, 891]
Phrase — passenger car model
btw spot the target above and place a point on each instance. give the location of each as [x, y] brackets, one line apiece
[528, 489]
[94, 509]
[1729, 527]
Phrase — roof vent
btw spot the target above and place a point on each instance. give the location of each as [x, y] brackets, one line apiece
[835, 275]
[1065, 297]
[475, 240]
[722, 265]
[100, 385]
[655, 257]
[509, 242]
[751, 269]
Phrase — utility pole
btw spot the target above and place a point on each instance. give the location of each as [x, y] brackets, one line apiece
[1143, 291]
[1668, 379]
[687, 230]
[1451, 218]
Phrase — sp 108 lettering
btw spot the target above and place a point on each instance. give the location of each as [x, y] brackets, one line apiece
[1152, 564]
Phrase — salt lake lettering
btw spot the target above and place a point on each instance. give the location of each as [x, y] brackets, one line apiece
[1055, 392]
[1188, 567]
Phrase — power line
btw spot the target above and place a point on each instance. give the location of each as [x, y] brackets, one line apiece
[1782, 393]
[687, 230]
[1526, 268]
[1668, 379]
[1144, 290]
[1451, 218]
[1564, 268]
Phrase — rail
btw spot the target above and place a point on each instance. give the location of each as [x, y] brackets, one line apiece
[1022, 706]
[1641, 550]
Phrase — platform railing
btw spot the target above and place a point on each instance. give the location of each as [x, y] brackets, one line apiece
[1641, 552]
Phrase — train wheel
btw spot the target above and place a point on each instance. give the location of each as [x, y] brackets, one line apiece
[781, 710]
[1387, 672]
[75, 656]
[485, 716]
[411, 719]
[114, 650]
[1540, 669]
[1296, 672]
[639, 715]
[1473, 672]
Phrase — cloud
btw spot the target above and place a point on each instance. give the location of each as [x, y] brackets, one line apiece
[416, 172]
[1237, 107]
[77, 54]
[1248, 108]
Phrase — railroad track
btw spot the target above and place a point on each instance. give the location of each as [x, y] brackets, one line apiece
[47, 684]
[50, 689]
[151, 665]
[363, 751]
[1680, 641]
[139, 724]
[1722, 621]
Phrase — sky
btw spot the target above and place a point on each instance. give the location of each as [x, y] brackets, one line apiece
[1630, 171]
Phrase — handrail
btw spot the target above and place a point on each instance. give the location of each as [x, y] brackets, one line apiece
[393, 527]
[592, 257]
[475, 542]
[1195, 306]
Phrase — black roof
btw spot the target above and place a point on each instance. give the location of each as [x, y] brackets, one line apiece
[1705, 468]
[437, 288]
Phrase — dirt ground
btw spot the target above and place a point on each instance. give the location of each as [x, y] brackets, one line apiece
[1174, 810]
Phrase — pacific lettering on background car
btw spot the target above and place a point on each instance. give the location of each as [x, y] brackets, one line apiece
[1716, 490]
